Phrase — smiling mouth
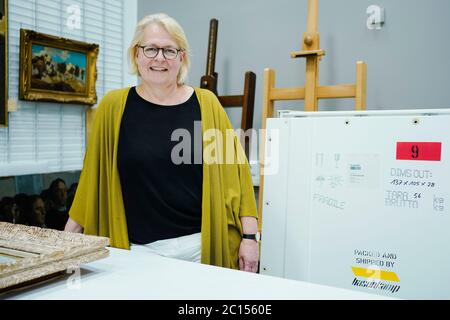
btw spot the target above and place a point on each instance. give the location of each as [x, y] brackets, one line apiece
[159, 69]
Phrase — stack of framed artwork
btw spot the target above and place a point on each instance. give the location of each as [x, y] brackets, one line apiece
[30, 254]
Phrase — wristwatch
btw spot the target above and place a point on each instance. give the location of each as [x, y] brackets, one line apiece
[252, 236]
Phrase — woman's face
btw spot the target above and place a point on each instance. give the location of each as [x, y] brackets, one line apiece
[39, 211]
[61, 194]
[158, 71]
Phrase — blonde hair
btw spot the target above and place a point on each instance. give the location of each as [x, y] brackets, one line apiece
[173, 28]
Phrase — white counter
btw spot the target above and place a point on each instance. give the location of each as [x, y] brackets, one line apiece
[141, 275]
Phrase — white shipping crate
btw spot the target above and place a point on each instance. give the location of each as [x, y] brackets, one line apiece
[359, 200]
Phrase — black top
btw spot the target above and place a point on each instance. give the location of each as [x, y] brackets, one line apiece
[162, 198]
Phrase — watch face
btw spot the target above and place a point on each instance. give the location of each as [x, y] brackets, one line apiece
[258, 236]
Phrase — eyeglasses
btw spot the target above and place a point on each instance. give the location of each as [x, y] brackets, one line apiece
[152, 52]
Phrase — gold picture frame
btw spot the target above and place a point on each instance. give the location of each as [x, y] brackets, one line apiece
[29, 255]
[3, 63]
[57, 69]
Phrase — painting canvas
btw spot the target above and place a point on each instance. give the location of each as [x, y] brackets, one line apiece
[57, 69]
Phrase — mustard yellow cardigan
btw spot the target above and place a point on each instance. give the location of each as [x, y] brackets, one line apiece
[227, 192]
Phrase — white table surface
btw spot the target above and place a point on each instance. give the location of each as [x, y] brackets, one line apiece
[140, 275]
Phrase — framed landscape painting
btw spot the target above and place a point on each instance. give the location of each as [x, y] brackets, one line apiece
[57, 69]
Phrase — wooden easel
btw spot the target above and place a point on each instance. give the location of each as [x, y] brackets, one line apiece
[311, 92]
[245, 100]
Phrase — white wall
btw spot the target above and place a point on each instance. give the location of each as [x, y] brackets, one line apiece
[406, 60]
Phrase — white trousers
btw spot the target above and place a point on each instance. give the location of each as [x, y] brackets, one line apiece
[185, 248]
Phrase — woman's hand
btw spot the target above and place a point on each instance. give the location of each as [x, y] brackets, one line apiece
[249, 248]
[248, 255]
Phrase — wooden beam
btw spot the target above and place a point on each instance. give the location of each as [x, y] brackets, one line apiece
[231, 101]
[297, 93]
[301, 54]
[267, 112]
[268, 104]
[212, 41]
[248, 103]
[323, 92]
[311, 26]
[361, 81]
[333, 92]
[311, 82]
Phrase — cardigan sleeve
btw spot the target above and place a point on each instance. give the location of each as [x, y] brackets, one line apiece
[239, 184]
[84, 209]
[247, 201]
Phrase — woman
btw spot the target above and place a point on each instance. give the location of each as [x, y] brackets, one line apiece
[35, 211]
[57, 214]
[9, 212]
[134, 187]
